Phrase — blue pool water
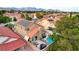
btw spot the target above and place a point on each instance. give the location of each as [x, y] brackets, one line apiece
[50, 40]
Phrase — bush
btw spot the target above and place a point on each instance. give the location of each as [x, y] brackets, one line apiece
[4, 19]
[28, 18]
[9, 25]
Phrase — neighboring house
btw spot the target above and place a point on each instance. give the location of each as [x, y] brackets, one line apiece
[34, 17]
[46, 24]
[9, 40]
[12, 15]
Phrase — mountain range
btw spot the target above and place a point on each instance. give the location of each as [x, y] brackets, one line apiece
[27, 9]
[69, 9]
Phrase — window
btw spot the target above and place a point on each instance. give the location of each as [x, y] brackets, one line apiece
[43, 35]
[36, 37]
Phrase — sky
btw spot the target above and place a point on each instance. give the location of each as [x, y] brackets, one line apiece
[46, 4]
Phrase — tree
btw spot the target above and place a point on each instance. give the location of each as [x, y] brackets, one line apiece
[12, 11]
[22, 15]
[69, 28]
[27, 17]
[2, 12]
[71, 14]
[4, 19]
[15, 19]
[39, 15]
[60, 45]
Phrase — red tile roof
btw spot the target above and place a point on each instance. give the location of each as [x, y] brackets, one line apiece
[33, 32]
[17, 15]
[12, 45]
[4, 31]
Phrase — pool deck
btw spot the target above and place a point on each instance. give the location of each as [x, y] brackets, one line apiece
[32, 47]
[40, 41]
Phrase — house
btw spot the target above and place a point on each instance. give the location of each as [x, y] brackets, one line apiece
[33, 32]
[9, 40]
[24, 27]
[12, 15]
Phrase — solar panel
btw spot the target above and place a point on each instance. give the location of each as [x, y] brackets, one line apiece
[24, 23]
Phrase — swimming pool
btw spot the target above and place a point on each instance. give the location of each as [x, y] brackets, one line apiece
[50, 40]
